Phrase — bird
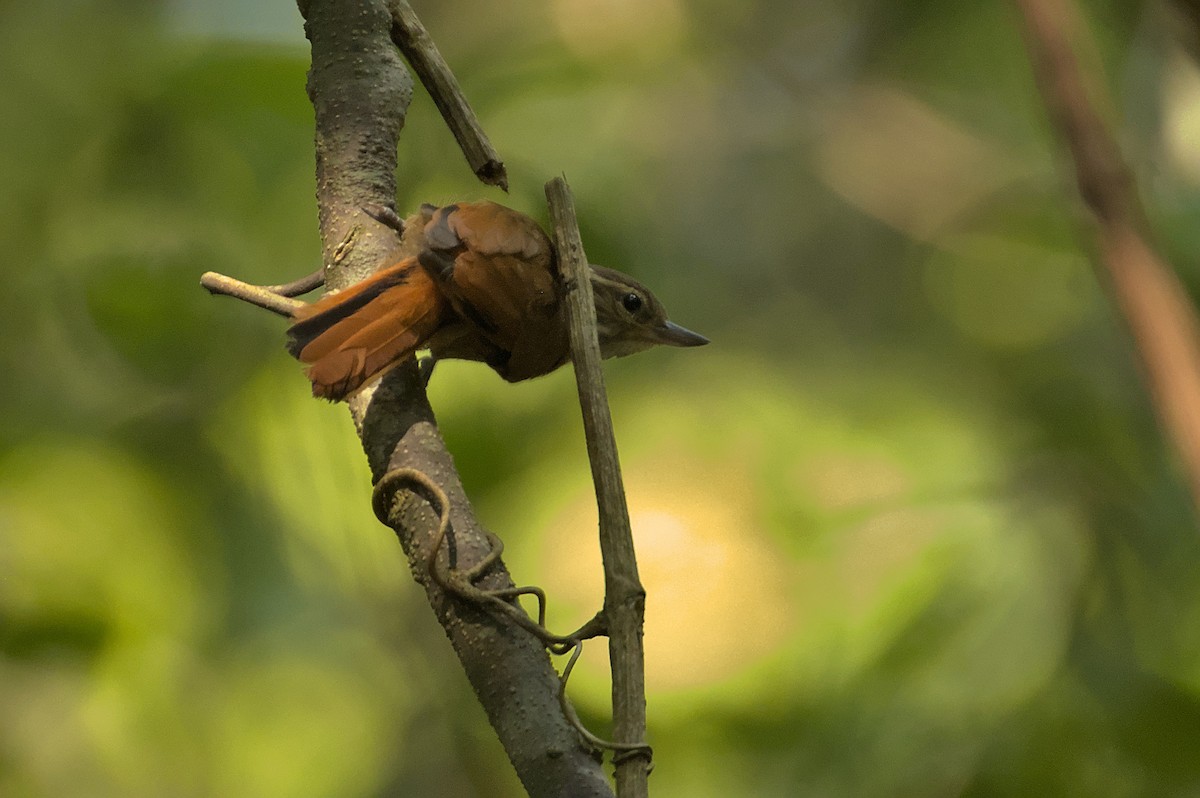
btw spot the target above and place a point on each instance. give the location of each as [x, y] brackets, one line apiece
[482, 287]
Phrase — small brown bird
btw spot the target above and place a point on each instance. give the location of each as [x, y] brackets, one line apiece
[483, 287]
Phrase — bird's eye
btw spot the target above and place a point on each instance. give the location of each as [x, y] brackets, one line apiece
[632, 302]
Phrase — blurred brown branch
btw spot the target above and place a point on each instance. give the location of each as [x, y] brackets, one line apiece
[360, 92]
[1161, 318]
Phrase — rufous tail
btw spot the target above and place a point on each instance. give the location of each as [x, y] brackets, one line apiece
[351, 337]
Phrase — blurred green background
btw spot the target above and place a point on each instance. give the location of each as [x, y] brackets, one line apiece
[907, 526]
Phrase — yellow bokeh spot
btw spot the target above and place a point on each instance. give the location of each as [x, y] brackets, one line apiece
[840, 481]
[651, 29]
[1181, 112]
[719, 596]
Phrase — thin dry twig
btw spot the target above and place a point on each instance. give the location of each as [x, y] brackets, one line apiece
[624, 596]
[309, 282]
[414, 41]
[1160, 317]
[266, 297]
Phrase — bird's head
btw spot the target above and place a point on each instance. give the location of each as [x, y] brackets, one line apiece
[629, 318]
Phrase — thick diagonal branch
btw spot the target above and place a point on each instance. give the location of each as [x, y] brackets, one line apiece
[360, 92]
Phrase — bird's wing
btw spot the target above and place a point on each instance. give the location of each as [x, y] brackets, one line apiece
[494, 265]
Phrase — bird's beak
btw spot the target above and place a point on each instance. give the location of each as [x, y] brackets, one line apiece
[672, 334]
